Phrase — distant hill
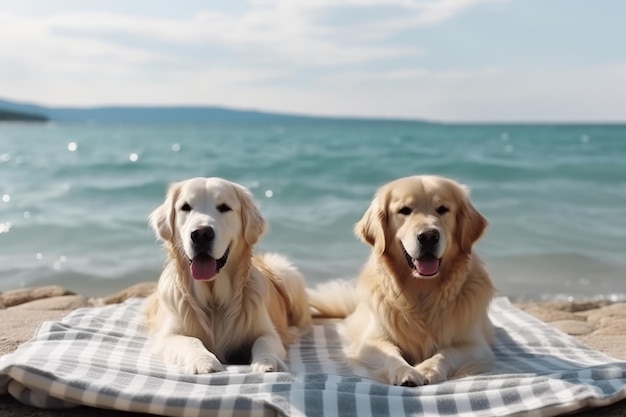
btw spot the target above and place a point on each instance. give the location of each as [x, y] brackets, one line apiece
[147, 114]
[160, 114]
[16, 116]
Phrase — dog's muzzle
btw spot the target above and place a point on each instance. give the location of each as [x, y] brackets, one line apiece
[426, 265]
[204, 267]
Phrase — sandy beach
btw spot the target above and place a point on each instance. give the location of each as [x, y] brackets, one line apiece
[601, 325]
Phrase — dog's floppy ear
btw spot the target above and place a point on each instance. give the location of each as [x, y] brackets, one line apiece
[253, 223]
[162, 218]
[372, 226]
[469, 222]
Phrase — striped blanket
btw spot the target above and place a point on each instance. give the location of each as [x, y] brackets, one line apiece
[99, 357]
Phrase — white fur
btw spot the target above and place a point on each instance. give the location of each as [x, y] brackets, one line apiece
[256, 302]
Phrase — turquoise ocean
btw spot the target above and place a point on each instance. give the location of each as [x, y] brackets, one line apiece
[74, 198]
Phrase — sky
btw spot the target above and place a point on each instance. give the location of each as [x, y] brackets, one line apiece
[439, 60]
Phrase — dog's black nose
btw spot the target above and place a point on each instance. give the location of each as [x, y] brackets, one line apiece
[429, 237]
[203, 238]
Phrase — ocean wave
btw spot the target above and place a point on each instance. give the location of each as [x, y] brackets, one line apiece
[554, 195]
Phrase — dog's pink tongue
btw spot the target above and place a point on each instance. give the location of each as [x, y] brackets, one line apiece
[203, 268]
[427, 266]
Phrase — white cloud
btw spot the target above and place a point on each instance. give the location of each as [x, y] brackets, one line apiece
[401, 76]
[433, 12]
[406, 14]
[485, 94]
[298, 56]
[293, 30]
[33, 43]
[85, 50]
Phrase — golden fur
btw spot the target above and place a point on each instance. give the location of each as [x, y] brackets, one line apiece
[406, 328]
[250, 310]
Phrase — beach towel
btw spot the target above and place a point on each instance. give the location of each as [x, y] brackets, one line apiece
[100, 357]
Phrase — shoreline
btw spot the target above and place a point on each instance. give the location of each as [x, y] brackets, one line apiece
[599, 324]
[104, 287]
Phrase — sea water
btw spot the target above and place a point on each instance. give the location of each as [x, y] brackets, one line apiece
[74, 198]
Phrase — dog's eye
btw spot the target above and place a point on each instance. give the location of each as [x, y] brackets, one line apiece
[223, 208]
[442, 210]
[405, 210]
[185, 207]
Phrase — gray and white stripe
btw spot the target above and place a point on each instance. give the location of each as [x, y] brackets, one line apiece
[99, 357]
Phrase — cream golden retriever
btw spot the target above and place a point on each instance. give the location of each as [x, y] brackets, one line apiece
[216, 302]
[419, 312]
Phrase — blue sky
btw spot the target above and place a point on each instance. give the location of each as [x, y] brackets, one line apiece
[448, 60]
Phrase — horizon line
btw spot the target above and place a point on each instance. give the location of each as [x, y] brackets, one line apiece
[307, 116]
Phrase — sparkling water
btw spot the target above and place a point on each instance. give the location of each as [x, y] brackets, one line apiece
[74, 198]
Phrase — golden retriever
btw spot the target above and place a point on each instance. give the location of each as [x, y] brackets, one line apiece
[418, 314]
[216, 302]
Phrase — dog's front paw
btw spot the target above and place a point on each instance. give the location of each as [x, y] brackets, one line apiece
[433, 370]
[405, 376]
[268, 364]
[202, 364]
